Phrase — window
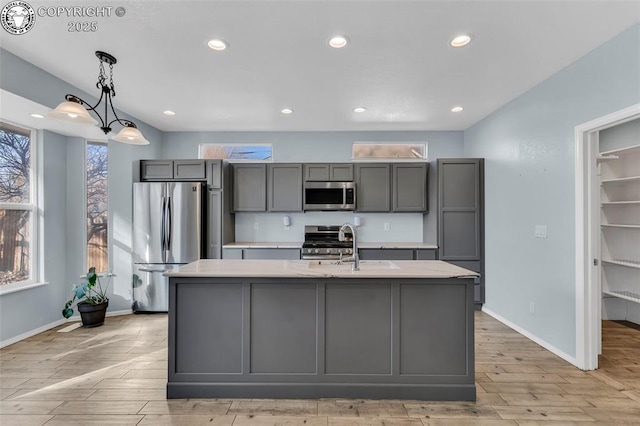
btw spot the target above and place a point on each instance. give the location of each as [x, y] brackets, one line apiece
[97, 207]
[389, 151]
[18, 238]
[255, 152]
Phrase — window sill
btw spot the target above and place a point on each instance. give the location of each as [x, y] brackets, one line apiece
[13, 288]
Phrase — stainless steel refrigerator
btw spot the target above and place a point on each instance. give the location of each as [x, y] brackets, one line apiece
[167, 233]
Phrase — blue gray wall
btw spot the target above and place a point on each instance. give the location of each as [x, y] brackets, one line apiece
[529, 180]
[327, 147]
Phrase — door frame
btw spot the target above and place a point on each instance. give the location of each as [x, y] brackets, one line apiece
[587, 230]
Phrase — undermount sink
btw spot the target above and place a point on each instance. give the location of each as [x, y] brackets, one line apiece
[365, 265]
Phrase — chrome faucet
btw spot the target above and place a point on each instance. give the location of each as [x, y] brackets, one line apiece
[355, 258]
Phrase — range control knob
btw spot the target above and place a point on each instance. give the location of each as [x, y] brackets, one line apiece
[316, 251]
[328, 251]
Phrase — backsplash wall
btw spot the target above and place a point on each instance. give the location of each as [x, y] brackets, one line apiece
[261, 227]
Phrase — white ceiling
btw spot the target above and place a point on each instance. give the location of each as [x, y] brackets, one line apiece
[398, 64]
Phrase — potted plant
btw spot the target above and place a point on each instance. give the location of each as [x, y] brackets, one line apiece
[92, 300]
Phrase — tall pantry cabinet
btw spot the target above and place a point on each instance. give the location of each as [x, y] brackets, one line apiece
[619, 164]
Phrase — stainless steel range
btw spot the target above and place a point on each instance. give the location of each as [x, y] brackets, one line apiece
[321, 242]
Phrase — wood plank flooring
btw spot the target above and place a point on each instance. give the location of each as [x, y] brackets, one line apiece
[116, 375]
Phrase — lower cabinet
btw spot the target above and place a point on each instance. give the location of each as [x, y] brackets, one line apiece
[261, 253]
[397, 254]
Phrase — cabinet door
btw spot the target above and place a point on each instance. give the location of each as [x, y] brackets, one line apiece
[459, 214]
[249, 187]
[386, 254]
[271, 253]
[316, 172]
[341, 172]
[285, 188]
[156, 170]
[373, 187]
[214, 224]
[214, 173]
[189, 169]
[410, 187]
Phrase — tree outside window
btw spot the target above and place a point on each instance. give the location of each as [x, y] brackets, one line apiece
[16, 205]
[97, 206]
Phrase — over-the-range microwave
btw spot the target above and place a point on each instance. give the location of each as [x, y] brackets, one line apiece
[329, 196]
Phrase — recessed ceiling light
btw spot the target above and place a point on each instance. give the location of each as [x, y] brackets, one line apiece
[34, 115]
[359, 109]
[286, 111]
[338, 41]
[217, 44]
[456, 109]
[168, 112]
[461, 40]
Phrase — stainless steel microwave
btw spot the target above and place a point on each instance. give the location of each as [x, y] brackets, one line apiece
[329, 196]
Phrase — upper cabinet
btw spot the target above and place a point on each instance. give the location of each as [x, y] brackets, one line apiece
[162, 170]
[410, 187]
[373, 187]
[249, 187]
[284, 187]
[324, 172]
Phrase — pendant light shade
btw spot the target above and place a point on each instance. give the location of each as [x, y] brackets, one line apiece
[131, 135]
[72, 111]
[76, 110]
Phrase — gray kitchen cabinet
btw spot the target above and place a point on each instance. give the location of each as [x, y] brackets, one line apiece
[373, 187]
[323, 172]
[386, 254]
[397, 254]
[214, 224]
[410, 187]
[249, 187]
[156, 170]
[461, 215]
[341, 172]
[284, 187]
[189, 170]
[214, 174]
[262, 253]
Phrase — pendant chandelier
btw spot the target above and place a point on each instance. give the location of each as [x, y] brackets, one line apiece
[76, 110]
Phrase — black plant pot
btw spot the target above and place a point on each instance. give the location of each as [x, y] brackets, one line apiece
[92, 315]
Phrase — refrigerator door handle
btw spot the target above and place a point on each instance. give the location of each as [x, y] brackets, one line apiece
[169, 217]
[163, 242]
[153, 270]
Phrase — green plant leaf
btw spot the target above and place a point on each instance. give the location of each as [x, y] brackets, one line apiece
[67, 312]
[80, 292]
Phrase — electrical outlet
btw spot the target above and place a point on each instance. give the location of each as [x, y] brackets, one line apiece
[255, 226]
[540, 231]
[532, 308]
[386, 226]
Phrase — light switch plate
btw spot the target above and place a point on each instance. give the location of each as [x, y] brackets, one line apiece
[540, 231]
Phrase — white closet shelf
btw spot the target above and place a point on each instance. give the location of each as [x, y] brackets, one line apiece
[625, 150]
[623, 262]
[620, 203]
[615, 225]
[627, 295]
[621, 180]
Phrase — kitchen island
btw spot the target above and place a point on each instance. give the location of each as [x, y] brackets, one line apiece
[314, 329]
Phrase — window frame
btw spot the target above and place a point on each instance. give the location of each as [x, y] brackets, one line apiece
[85, 203]
[424, 144]
[235, 160]
[33, 207]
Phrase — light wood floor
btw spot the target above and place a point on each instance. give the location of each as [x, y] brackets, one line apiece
[116, 375]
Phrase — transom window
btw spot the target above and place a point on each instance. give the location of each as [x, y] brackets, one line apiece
[253, 152]
[389, 151]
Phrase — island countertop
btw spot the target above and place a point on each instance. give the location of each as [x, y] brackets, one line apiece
[320, 269]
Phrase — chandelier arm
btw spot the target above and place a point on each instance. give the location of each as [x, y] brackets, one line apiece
[86, 105]
[117, 119]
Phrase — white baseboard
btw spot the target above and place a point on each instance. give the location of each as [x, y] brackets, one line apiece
[528, 335]
[54, 324]
[31, 333]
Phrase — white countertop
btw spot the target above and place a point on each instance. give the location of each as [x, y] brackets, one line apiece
[297, 245]
[320, 269]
